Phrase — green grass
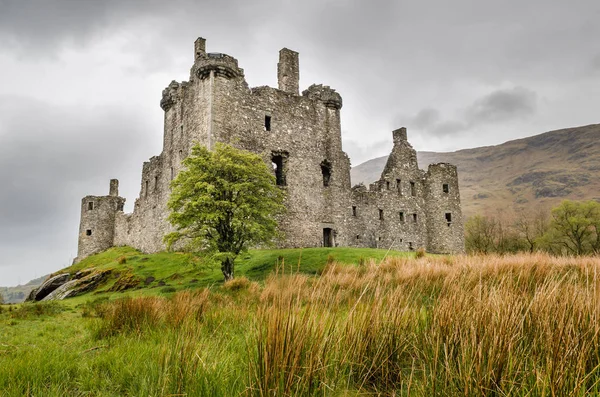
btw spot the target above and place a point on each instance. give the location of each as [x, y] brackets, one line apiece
[168, 272]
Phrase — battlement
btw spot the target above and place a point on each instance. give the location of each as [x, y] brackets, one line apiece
[325, 94]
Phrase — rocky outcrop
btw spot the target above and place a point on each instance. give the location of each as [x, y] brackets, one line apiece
[48, 286]
[83, 282]
[66, 286]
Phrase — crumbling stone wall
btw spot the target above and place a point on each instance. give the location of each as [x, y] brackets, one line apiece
[300, 136]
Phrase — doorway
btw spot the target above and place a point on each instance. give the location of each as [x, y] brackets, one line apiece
[327, 237]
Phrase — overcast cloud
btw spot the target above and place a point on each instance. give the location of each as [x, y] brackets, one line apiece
[80, 83]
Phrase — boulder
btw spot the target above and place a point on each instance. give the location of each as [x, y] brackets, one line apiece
[78, 286]
[48, 286]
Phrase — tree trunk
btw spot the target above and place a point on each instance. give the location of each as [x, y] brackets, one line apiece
[227, 269]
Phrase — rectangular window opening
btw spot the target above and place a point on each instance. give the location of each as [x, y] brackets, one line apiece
[181, 130]
[358, 236]
[445, 188]
[387, 185]
[415, 218]
[267, 123]
[146, 189]
[449, 218]
[399, 186]
[410, 246]
[326, 172]
[279, 160]
[353, 210]
[88, 232]
[156, 183]
[380, 215]
[90, 205]
[413, 189]
[401, 216]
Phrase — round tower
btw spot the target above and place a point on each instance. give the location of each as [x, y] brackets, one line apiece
[97, 225]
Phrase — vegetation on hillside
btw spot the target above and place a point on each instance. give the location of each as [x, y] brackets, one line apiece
[571, 228]
[435, 326]
[224, 202]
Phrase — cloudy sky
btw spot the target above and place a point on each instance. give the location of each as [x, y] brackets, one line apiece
[81, 81]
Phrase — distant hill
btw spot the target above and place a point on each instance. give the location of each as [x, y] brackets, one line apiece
[19, 293]
[525, 174]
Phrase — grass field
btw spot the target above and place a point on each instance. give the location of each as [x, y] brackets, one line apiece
[524, 325]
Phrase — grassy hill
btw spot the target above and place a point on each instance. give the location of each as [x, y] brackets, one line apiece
[134, 273]
[539, 171]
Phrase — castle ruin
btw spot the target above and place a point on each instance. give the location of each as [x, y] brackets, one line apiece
[300, 135]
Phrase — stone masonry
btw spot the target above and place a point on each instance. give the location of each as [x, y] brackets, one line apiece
[300, 136]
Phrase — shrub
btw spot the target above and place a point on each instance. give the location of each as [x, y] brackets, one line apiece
[420, 253]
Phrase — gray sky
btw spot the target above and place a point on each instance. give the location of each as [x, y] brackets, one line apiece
[81, 81]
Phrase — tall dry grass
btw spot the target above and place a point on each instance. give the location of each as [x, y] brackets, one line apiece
[472, 326]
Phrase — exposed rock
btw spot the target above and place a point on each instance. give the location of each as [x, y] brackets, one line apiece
[48, 287]
[78, 286]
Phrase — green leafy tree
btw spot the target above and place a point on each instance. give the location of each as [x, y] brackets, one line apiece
[222, 203]
[574, 228]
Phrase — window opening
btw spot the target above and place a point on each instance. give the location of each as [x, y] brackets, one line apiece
[399, 186]
[146, 190]
[181, 130]
[415, 218]
[449, 218]
[88, 232]
[413, 189]
[380, 215]
[387, 185]
[279, 161]
[90, 205]
[358, 236]
[120, 206]
[445, 188]
[353, 210]
[410, 246]
[401, 216]
[326, 171]
[327, 237]
[156, 183]
[267, 123]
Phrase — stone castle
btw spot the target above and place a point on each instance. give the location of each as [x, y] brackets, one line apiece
[300, 135]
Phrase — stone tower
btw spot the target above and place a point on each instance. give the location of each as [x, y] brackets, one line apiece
[97, 225]
[299, 135]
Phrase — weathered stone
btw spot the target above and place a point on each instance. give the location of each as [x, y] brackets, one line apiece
[301, 136]
[48, 286]
[78, 286]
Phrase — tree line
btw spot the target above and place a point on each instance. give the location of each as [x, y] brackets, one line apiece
[571, 228]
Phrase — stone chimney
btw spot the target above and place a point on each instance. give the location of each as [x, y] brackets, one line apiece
[114, 188]
[199, 47]
[399, 135]
[288, 71]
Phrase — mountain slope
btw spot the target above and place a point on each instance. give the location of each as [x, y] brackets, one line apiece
[525, 174]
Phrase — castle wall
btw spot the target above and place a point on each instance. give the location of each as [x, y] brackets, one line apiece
[301, 136]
